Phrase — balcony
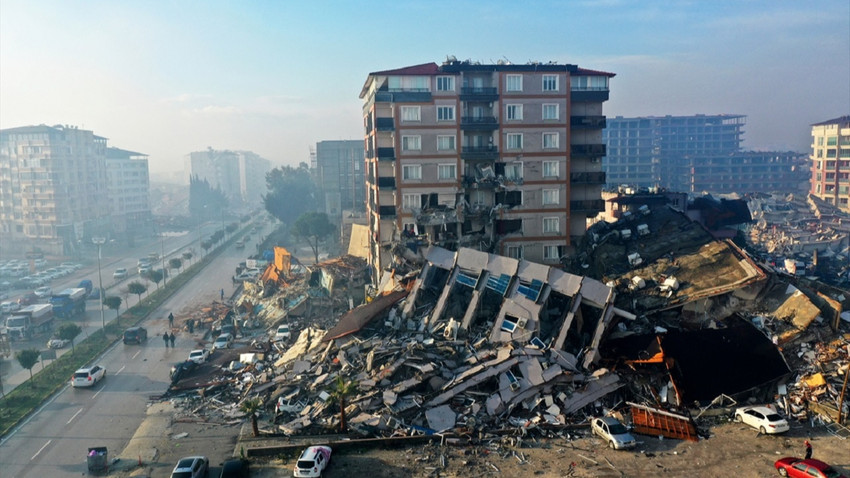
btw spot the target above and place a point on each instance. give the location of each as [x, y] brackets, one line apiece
[490, 153]
[472, 182]
[478, 93]
[595, 177]
[479, 123]
[589, 205]
[386, 183]
[386, 212]
[587, 122]
[386, 154]
[587, 150]
[578, 96]
[403, 96]
[385, 124]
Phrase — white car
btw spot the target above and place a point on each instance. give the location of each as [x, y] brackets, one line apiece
[119, 273]
[312, 462]
[282, 333]
[57, 343]
[223, 341]
[199, 355]
[765, 419]
[88, 377]
[43, 292]
[9, 306]
[191, 467]
[613, 432]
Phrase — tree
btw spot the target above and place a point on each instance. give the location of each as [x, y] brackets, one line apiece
[313, 227]
[339, 393]
[251, 407]
[156, 275]
[28, 358]
[113, 303]
[206, 244]
[176, 263]
[69, 331]
[203, 197]
[291, 192]
[187, 256]
[137, 288]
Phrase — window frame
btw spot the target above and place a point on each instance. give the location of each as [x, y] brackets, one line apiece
[407, 138]
[509, 79]
[453, 139]
[517, 137]
[557, 142]
[547, 256]
[410, 108]
[513, 166]
[550, 77]
[449, 108]
[557, 167]
[453, 167]
[513, 112]
[551, 192]
[549, 220]
[411, 167]
[518, 249]
[448, 79]
[557, 108]
[417, 201]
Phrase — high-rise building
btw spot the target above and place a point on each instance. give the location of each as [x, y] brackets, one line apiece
[241, 175]
[695, 154]
[339, 177]
[128, 179]
[830, 159]
[501, 157]
[53, 189]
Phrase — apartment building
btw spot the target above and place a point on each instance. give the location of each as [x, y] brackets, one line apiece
[500, 157]
[830, 160]
[128, 184]
[53, 189]
[696, 154]
[340, 177]
[241, 175]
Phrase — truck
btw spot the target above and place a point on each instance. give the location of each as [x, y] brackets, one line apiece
[30, 320]
[68, 303]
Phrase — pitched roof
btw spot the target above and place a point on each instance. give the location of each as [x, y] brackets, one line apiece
[121, 153]
[587, 72]
[840, 120]
[423, 69]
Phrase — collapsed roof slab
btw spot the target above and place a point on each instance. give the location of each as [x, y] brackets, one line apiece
[518, 320]
[357, 318]
[602, 383]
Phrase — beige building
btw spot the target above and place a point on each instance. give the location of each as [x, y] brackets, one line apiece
[830, 161]
[503, 158]
[241, 175]
[128, 179]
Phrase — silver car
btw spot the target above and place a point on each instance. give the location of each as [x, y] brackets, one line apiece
[613, 432]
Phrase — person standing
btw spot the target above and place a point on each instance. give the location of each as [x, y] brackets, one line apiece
[222, 294]
[171, 320]
[808, 449]
[172, 339]
[165, 338]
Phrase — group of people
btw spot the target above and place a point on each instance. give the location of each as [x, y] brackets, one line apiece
[168, 338]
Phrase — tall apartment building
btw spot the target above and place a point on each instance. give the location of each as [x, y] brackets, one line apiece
[695, 154]
[53, 189]
[504, 158]
[241, 175]
[128, 180]
[340, 177]
[830, 159]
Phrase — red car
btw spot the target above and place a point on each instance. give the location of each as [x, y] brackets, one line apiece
[811, 468]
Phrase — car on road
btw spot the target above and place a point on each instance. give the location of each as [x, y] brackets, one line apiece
[312, 462]
[191, 467]
[809, 468]
[135, 335]
[223, 341]
[43, 292]
[9, 306]
[199, 355]
[764, 419]
[282, 333]
[144, 270]
[613, 432]
[120, 273]
[88, 377]
[234, 468]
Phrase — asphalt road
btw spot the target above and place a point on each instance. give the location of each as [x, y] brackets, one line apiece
[54, 441]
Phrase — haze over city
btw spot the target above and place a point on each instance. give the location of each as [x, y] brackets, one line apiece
[166, 78]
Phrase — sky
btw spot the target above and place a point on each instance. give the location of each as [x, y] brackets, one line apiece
[166, 78]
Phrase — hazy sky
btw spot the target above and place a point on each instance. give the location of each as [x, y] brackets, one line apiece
[169, 77]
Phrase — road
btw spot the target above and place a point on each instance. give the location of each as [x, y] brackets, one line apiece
[53, 442]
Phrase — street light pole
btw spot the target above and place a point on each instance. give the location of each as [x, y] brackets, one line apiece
[100, 241]
[162, 250]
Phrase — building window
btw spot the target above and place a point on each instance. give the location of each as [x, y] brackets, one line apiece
[832, 141]
[514, 140]
[411, 172]
[550, 253]
[445, 113]
[551, 225]
[550, 169]
[411, 143]
[550, 111]
[446, 143]
[550, 140]
[411, 201]
[550, 197]
[589, 83]
[820, 141]
[514, 252]
[830, 153]
[447, 171]
[445, 83]
[513, 112]
[411, 113]
[513, 82]
[844, 153]
[513, 171]
[550, 82]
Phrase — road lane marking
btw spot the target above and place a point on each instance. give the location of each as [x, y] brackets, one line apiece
[136, 355]
[40, 450]
[73, 417]
[120, 369]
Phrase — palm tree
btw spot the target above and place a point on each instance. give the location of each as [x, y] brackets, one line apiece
[340, 391]
[251, 407]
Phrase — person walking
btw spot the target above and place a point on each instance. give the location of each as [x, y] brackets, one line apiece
[171, 320]
[808, 449]
[172, 339]
[165, 338]
[222, 294]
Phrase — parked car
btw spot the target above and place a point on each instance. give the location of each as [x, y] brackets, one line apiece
[613, 432]
[120, 273]
[43, 292]
[181, 369]
[191, 467]
[57, 343]
[135, 335]
[282, 333]
[234, 468]
[765, 419]
[312, 462]
[88, 377]
[810, 468]
[223, 341]
[9, 306]
[199, 355]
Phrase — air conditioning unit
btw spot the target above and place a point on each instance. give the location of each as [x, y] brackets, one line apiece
[514, 386]
[521, 322]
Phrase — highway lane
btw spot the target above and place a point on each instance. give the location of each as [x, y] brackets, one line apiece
[54, 440]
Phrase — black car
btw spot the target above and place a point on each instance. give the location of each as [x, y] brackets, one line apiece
[234, 468]
[135, 335]
[181, 370]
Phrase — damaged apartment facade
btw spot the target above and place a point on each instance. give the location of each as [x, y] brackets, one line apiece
[501, 158]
